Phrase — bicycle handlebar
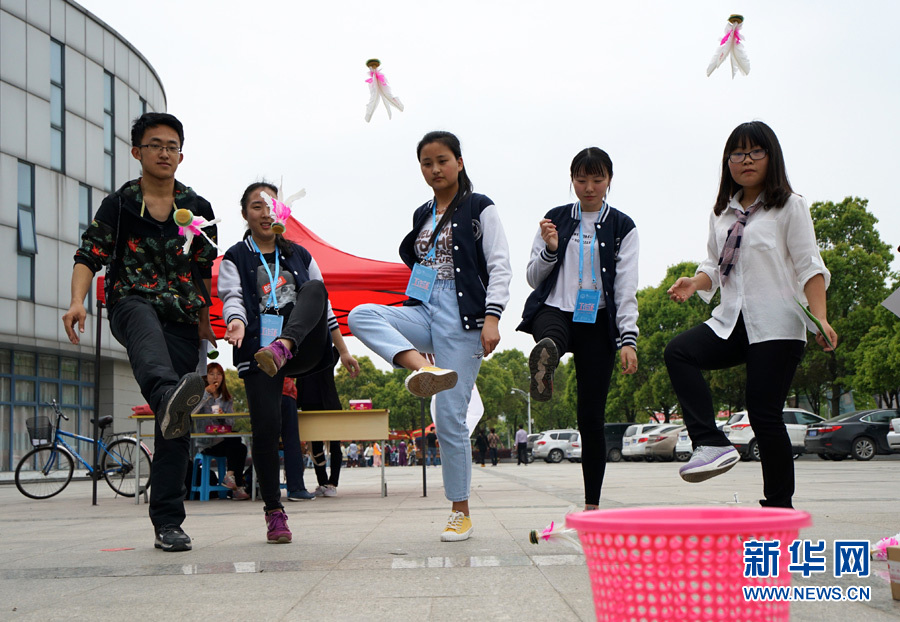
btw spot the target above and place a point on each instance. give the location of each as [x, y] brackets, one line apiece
[52, 404]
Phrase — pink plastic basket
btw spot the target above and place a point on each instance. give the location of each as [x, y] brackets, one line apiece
[682, 563]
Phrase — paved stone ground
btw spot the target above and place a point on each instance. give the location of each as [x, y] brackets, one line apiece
[359, 556]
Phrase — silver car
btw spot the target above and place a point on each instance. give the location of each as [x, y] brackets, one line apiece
[552, 444]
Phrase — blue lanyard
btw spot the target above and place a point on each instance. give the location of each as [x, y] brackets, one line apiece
[430, 254]
[581, 247]
[273, 299]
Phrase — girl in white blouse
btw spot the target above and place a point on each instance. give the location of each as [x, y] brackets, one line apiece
[762, 255]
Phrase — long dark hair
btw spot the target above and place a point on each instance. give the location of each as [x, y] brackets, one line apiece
[451, 142]
[280, 241]
[777, 188]
[223, 390]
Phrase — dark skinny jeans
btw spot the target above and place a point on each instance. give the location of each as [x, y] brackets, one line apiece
[770, 370]
[594, 356]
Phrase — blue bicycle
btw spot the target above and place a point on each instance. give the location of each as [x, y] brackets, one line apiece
[47, 469]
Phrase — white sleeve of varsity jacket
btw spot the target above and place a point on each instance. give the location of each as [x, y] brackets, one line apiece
[316, 273]
[230, 292]
[625, 292]
[541, 261]
[496, 255]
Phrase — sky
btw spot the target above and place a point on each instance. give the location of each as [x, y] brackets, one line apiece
[276, 90]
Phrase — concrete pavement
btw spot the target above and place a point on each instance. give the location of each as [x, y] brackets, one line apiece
[359, 556]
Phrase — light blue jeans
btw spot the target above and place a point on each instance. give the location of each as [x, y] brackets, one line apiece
[433, 327]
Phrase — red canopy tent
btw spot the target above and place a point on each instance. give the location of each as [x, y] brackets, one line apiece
[350, 280]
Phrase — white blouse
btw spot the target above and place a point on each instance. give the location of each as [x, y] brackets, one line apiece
[778, 255]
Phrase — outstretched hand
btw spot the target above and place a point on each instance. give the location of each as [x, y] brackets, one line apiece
[235, 333]
[350, 364]
[682, 289]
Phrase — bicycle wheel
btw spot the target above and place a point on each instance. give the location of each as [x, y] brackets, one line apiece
[44, 472]
[118, 465]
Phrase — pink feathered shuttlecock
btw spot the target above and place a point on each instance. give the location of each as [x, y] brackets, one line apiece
[280, 210]
[558, 533]
[732, 44]
[379, 89]
[190, 225]
[879, 549]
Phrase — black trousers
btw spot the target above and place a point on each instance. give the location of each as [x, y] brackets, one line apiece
[307, 327]
[770, 370]
[494, 458]
[594, 358]
[323, 396]
[235, 453]
[293, 449]
[521, 458]
[160, 354]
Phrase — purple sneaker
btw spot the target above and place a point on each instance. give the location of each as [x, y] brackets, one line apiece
[273, 357]
[276, 523]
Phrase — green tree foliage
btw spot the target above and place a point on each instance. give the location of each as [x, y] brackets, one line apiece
[859, 262]
[236, 388]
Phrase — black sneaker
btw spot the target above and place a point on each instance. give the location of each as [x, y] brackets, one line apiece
[541, 364]
[172, 538]
[179, 404]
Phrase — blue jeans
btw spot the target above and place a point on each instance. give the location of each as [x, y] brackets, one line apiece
[433, 327]
[432, 456]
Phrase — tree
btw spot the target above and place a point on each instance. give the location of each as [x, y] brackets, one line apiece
[859, 262]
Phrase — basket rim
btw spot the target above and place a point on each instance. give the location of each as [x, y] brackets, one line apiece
[689, 520]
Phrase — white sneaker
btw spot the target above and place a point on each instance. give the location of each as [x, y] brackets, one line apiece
[427, 381]
[325, 491]
[707, 462]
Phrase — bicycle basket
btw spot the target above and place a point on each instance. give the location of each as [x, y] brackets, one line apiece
[40, 430]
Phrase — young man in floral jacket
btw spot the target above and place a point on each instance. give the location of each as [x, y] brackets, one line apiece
[157, 296]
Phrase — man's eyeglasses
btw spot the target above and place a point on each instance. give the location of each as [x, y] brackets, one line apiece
[155, 148]
[757, 154]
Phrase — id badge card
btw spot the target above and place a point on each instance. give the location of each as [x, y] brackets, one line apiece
[269, 328]
[586, 305]
[421, 282]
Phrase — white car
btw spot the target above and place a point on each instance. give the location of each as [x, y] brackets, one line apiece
[741, 435]
[573, 451]
[552, 444]
[684, 448]
[635, 439]
[893, 436]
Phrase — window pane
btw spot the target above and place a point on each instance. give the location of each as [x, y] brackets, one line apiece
[69, 368]
[5, 425]
[27, 238]
[87, 397]
[24, 363]
[107, 172]
[56, 106]
[56, 62]
[49, 392]
[25, 177]
[24, 276]
[84, 205]
[21, 441]
[5, 367]
[4, 391]
[70, 394]
[24, 390]
[87, 372]
[56, 149]
[48, 366]
[107, 92]
[108, 132]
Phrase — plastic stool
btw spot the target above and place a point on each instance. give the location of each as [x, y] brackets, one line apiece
[203, 490]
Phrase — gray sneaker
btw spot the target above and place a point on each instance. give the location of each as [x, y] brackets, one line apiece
[707, 462]
[542, 363]
[179, 404]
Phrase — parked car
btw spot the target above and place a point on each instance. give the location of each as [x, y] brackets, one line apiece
[741, 435]
[552, 444]
[893, 436]
[635, 439]
[861, 434]
[613, 433]
[684, 448]
[661, 444]
[529, 447]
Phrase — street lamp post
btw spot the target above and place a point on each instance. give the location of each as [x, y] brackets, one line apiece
[527, 397]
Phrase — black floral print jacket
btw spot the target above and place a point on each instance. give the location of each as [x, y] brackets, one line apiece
[144, 257]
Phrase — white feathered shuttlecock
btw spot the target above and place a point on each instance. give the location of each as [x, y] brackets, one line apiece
[379, 89]
[732, 45]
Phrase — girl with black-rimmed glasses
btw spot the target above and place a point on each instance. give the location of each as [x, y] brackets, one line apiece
[763, 256]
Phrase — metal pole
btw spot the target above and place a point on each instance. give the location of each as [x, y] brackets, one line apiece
[424, 449]
[99, 321]
[528, 396]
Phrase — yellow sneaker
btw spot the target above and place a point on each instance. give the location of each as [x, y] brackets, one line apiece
[427, 381]
[459, 527]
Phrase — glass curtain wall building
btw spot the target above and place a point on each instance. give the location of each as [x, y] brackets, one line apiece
[69, 88]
